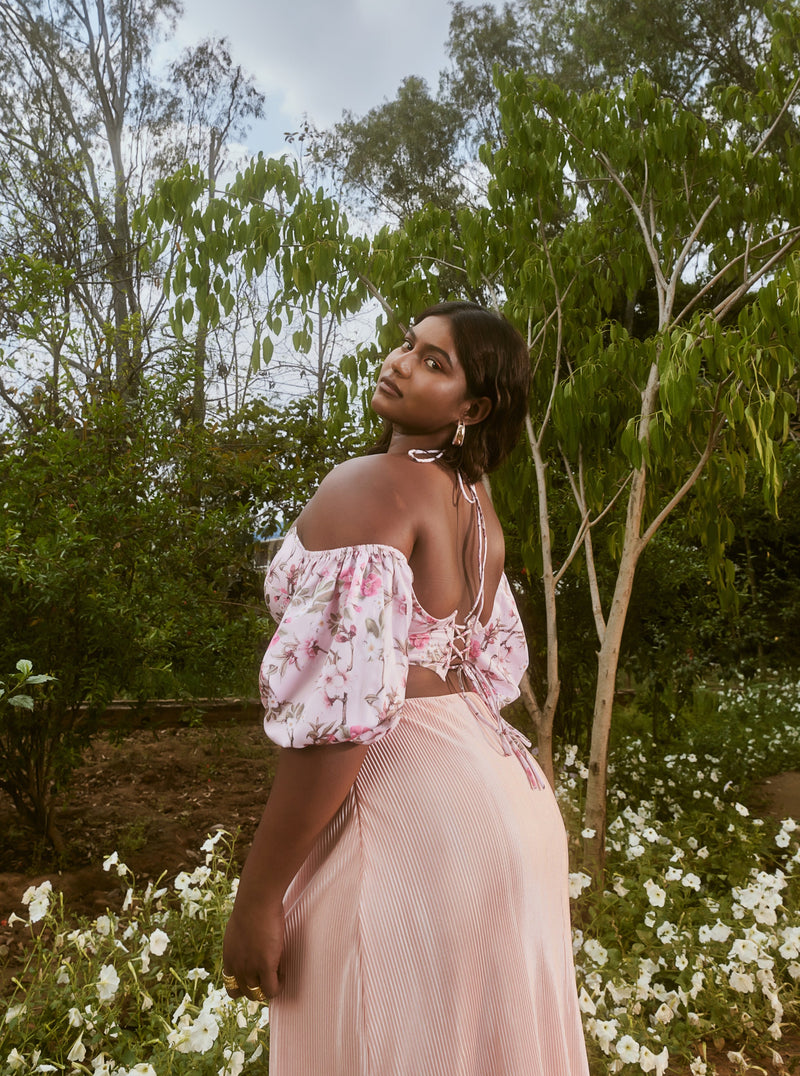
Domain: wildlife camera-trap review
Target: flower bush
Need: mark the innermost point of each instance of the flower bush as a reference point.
(696, 936)
(694, 939)
(136, 993)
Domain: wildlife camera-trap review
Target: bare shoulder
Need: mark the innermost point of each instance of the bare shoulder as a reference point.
(367, 500)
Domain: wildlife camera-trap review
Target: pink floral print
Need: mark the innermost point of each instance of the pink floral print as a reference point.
(349, 625)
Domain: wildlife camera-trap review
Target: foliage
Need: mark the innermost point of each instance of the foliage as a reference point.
(686, 50)
(687, 945)
(689, 942)
(31, 761)
(127, 562)
(135, 992)
(86, 126)
(401, 155)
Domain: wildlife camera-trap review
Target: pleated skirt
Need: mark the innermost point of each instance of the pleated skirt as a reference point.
(428, 933)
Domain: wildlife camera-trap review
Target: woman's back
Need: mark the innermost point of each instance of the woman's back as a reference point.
(419, 509)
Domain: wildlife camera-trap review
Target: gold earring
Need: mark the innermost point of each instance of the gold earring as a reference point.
(458, 436)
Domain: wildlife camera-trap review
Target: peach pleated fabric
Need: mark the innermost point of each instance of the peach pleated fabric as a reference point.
(428, 932)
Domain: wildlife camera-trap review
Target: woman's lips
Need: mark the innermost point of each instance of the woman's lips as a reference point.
(389, 387)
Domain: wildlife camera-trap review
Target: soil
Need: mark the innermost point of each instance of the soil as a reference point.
(154, 795)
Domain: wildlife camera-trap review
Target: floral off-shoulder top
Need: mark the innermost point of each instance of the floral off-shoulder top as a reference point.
(349, 625)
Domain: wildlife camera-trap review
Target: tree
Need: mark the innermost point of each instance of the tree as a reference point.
(686, 49)
(582, 45)
(217, 102)
(399, 156)
(77, 110)
(635, 423)
(117, 580)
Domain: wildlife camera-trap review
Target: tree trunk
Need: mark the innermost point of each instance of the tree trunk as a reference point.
(594, 848)
(543, 723)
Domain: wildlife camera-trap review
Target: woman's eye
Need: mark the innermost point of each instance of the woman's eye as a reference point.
(406, 345)
(434, 364)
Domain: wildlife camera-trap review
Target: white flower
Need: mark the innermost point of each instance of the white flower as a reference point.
(745, 950)
(628, 1049)
(741, 981)
(789, 825)
(210, 841)
(108, 982)
(619, 888)
(719, 932)
(586, 1003)
(75, 1017)
(196, 973)
(13, 1011)
(650, 1062)
(158, 942)
(673, 874)
(15, 1061)
(667, 932)
(619, 993)
(655, 894)
(782, 839)
(743, 811)
(204, 1032)
(114, 861)
(142, 1069)
(235, 1062)
(62, 978)
(577, 883)
(791, 943)
(37, 897)
(605, 1031)
(103, 925)
(691, 881)
(78, 1051)
(698, 1067)
(595, 951)
(588, 834)
(663, 1014)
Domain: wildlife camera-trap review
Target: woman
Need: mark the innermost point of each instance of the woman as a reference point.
(404, 901)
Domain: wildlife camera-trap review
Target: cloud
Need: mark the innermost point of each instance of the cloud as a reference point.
(318, 57)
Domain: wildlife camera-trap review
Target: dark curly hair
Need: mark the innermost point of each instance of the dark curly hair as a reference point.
(496, 363)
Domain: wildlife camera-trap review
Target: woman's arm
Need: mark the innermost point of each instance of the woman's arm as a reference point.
(310, 785)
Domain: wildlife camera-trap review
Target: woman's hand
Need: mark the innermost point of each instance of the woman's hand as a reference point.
(310, 785)
(252, 949)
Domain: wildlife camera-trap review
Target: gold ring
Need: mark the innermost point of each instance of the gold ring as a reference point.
(258, 994)
(230, 982)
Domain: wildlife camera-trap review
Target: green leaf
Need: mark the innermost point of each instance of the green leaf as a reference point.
(21, 702)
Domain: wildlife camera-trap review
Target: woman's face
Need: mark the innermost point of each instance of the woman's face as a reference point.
(422, 388)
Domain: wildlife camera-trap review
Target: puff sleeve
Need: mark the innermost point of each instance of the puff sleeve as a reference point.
(335, 670)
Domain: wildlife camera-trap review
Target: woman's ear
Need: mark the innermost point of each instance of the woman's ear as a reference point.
(478, 409)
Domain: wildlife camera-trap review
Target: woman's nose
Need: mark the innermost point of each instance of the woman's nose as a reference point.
(399, 364)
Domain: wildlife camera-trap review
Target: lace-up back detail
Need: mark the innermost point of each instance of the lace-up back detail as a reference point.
(349, 625)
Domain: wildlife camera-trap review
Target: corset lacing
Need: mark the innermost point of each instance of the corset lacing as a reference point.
(470, 677)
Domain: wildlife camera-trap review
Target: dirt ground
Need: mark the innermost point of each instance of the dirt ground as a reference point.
(156, 794)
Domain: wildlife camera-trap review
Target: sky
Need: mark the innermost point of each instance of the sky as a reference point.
(318, 57)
